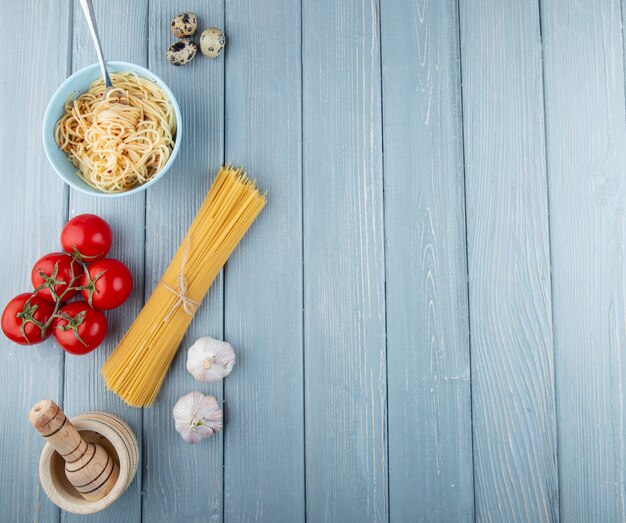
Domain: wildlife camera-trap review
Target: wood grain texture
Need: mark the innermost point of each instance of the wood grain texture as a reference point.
(123, 33)
(515, 458)
(181, 481)
(264, 435)
(344, 272)
(33, 202)
(323, 317)
(430, 431)
(586, 137)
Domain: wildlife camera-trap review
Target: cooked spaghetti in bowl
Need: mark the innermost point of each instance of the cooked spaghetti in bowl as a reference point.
(121, 137)
(112, 142)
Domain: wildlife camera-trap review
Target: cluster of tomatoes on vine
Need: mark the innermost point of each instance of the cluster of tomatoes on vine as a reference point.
(82, 271)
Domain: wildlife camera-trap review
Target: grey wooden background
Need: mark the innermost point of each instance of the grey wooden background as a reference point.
(430, 313)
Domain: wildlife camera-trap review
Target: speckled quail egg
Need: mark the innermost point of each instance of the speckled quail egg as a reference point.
(181, 53)
(184, 25)
(212, 42)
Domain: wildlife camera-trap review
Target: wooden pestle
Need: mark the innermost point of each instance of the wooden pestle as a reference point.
(87, 465)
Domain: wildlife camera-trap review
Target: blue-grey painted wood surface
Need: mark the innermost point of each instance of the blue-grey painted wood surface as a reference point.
(183, 482)
(34, 207)
(430, 431)
(264, 452)
(394, 138)
(344, 271)
(515, 464)
(84, 386)
(178, 473)
(586, 137)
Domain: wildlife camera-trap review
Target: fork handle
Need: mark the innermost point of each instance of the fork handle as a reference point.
(93, 29)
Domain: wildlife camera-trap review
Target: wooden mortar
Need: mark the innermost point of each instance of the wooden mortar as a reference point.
(88, 466)
(116, 438)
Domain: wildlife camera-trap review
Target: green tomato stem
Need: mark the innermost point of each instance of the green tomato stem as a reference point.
(58, 300)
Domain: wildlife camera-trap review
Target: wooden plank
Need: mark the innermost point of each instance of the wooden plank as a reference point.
(123, 33)
(264, 438)
(181, 481)
(344, 273)
(430, 430)
(33, 202)
(509, 269)
(586, 137)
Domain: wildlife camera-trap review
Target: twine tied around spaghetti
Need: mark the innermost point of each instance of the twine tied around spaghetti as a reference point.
(189, 305)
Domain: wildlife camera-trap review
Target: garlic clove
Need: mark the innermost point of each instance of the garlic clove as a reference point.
(209, 359)
(197, 417)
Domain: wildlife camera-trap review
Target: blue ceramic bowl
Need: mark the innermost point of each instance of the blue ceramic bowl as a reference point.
(77, 84)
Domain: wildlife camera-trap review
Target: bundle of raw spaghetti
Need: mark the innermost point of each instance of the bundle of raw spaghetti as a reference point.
(136, 368)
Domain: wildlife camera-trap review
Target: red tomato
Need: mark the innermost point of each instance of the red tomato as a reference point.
(89, 235)
(24, 317)
(54, 273)
(79, 329)
(108, 283)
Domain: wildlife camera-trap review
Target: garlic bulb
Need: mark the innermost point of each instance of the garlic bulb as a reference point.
(197, 417)
(209, 359)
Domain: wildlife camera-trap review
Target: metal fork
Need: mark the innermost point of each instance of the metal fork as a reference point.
(93, 29)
